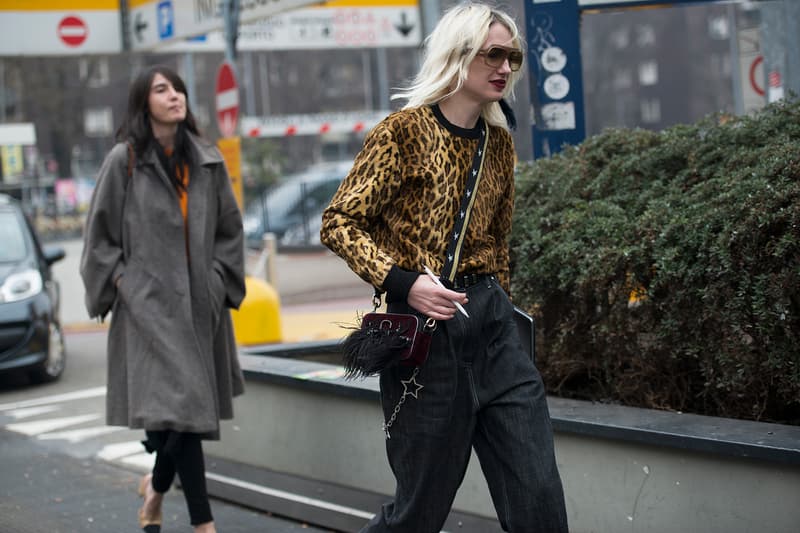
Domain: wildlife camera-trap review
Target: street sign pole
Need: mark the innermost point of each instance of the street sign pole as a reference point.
(554, 56)
(124, 29)
(231, 16)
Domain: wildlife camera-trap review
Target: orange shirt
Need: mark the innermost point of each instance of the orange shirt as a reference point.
(183, 199)
(183, 196)
(183, 193)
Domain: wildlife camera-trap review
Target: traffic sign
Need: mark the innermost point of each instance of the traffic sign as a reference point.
(605, 4)
(227, 100)
(59, 27)
(755, 73)
(556, 75)
(166, 19)
(231, 150)
(72, 30)
(153, 23)
(312, 124)
(336, 24)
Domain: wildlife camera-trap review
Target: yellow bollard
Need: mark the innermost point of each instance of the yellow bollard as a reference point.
(258, 320)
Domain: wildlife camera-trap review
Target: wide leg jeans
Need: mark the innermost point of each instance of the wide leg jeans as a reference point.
(480, 389)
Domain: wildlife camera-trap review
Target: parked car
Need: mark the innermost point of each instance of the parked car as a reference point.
(295, 201)
(31, 338)
(304, 233)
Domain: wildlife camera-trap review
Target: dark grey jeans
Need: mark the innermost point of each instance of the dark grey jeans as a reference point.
(479, 389)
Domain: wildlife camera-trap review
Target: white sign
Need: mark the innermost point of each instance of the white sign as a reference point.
(558, 116)
(17, 133)
(46, 28)
(312, 124)
(751, 70)
(601, 3)
(320, 28)
(156, 22)
(556, 86)
(553, 59)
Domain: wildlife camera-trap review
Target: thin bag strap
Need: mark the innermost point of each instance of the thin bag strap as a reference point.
(465, 210)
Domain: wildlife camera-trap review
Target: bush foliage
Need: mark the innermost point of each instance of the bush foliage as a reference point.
(664, 267)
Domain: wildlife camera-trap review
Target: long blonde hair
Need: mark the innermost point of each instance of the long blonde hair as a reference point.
(449, 50)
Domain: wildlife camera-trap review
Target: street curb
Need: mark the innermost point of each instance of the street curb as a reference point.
(85, 327)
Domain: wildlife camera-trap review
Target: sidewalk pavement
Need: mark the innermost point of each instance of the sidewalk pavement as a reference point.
(318, 293)
(46, 492)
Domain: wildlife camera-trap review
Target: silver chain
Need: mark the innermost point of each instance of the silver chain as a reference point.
(402, 400)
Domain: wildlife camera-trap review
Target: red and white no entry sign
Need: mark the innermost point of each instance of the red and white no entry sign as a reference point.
(72, 30)
(757, 74)
(227, 100)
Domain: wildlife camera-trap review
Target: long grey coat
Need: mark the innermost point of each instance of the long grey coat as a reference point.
(172, 360)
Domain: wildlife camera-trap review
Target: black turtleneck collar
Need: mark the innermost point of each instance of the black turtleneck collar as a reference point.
(470, 133)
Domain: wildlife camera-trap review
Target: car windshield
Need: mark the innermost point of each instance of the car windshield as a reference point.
(14, 246)
(297, 196)
(281, 199)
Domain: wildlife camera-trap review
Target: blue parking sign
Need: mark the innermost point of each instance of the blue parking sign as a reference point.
(166, 17)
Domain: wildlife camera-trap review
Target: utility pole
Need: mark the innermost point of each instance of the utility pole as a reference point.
(230, 13)
(2, 93)
(431, 13)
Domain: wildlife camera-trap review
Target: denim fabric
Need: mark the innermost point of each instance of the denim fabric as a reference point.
(479, 389)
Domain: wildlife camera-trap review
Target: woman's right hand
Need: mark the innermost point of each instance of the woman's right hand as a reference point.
(434, 301)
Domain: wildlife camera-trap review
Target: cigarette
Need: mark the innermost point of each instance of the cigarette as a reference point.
(437, 281)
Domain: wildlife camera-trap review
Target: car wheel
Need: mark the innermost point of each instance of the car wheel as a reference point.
(52, 367)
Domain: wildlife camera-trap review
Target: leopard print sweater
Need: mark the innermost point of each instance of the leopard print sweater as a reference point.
(394, 212)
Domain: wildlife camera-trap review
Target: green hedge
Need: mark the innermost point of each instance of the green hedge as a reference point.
(664, 267)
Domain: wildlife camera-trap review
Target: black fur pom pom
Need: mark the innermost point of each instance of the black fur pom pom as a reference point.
(367, 351)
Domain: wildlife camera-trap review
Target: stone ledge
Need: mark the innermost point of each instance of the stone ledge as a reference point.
(294, 365)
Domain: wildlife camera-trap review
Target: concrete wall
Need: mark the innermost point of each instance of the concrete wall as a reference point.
(301, 419)
(613, 486)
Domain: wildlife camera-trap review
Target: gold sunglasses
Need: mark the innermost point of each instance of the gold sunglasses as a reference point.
(495, 56)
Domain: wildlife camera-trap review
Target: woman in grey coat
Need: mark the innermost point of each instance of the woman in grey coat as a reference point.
(163, 252)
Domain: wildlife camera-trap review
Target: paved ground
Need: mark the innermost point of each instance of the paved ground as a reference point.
(45, 492)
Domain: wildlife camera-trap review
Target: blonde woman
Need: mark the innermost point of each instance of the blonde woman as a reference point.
(393, 216)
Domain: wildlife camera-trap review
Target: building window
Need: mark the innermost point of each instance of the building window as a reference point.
(98, 122)
(650, 110)
(720, 64)
(292, 76)
(95, 72)
(620, 38)
(645, 35)
(648, 73)
(718, 27)
(623, 78)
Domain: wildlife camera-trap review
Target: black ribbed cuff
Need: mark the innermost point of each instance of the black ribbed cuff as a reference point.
(398, 283)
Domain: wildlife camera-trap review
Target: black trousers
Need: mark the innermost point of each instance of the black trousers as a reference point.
(181, 453)
(477, 390)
